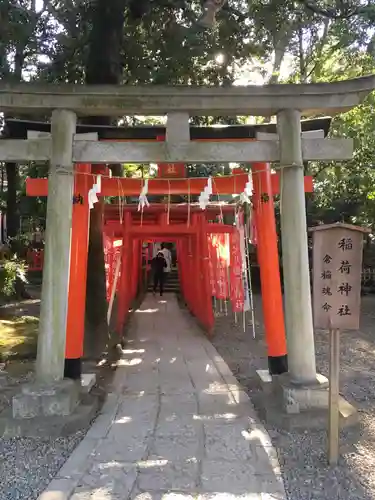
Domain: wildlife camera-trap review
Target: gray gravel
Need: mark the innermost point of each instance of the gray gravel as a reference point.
(302, 455)
(28, 465)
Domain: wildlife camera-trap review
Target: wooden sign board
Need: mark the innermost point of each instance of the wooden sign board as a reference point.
(337, 267)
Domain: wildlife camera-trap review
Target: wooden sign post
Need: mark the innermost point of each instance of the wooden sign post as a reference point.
(337, 267)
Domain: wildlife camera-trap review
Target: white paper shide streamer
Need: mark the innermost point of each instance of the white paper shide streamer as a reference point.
(204, 197)
(247, 193)
(94, 191)
(143, 201)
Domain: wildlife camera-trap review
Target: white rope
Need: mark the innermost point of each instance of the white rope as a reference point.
(114, 288)
(249, 280)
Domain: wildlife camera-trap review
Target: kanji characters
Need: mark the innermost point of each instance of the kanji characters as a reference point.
(326, 275)
(77, 199)
(344, 288)
(345, 267)
(327, 259)
(344, 311)
(171, 169)
(345, 244)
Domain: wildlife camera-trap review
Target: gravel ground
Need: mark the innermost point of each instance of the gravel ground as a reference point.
(28, 465)
(302, 455)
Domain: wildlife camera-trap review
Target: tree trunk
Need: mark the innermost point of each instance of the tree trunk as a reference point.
(13, 221)
(103, 67)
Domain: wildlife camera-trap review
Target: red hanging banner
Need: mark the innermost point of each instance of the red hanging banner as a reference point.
(112, 252)
(222, 252)
(212, 262)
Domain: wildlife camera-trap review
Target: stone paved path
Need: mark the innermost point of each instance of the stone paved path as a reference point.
(177, 424)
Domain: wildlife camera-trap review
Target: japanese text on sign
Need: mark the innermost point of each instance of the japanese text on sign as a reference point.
(337, 263)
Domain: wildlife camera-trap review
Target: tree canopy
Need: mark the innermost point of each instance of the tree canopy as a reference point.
(202, 42)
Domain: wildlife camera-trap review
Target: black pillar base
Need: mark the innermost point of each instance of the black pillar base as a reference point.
(73, 368)
(277, 365)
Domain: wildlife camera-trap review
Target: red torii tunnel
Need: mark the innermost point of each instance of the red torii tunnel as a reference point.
(189, 234)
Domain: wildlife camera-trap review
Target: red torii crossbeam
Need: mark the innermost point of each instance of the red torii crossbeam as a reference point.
(232, 184)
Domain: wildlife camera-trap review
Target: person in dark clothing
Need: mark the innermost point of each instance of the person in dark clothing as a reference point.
(158, 265)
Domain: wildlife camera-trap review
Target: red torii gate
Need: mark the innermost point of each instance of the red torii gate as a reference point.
(266, 185)
(230, 184)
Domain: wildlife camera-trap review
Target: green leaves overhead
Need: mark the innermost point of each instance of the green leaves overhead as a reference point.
(278, 41)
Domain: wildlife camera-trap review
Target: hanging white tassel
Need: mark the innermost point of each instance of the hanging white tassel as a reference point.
(99, 183)
(143, 201)
(92, 196)
(249, 187)
(204, 197)
(209, 185)
(203, 200)
(245, 196)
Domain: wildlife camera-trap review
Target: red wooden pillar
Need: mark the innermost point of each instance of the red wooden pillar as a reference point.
(75, 328)
(125, 272)
(196, 271)
(268, 258)
(206, 286)
(135, 268)
(181, 270)
(131, 262)
(188, 278)
(182, 274)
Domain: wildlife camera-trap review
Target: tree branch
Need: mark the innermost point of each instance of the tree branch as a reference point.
(210, 9)
(344, 13)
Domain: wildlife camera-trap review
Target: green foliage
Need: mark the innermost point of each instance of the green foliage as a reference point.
(12, 271)
(281, 40)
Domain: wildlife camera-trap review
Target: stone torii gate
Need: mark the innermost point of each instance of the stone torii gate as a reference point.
(290, 149)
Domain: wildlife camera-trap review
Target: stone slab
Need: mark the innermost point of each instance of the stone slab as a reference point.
(238, 478)
(181, 476)
(291, 407)
(52, 426)
(312, 419)
(58, 489)
(37, 400)
(117, 479)
(88, 380)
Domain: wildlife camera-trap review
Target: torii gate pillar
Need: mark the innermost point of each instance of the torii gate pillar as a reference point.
(75, 328)
(268, 258)
(298, 309)
(53, 312)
